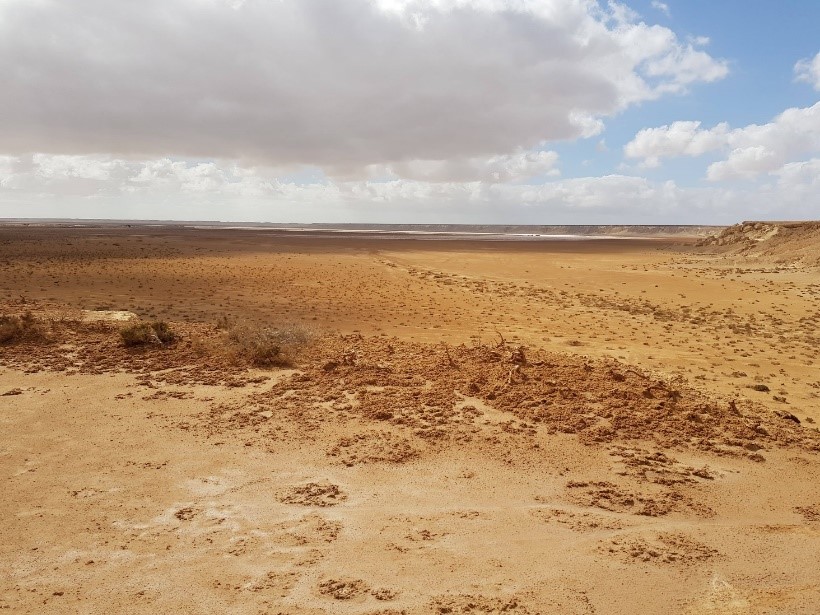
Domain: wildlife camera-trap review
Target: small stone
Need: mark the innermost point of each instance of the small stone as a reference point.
(787, 416)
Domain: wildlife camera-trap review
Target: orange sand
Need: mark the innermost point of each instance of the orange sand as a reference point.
(552, 427)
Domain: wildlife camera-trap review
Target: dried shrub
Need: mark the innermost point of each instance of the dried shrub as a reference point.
(267, 346)
(137, 334)
(163, 332)
(141, 333)
(205, 346)
(17, 328)
(224, 323)
(10, 329)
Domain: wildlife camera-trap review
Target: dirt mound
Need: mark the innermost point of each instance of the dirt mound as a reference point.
(394, 400)
(400, 399)
(779, 242)
(314, 494)
(59, 339)
(373, 446)
(463, 604)
(664, 548)
(343, 589)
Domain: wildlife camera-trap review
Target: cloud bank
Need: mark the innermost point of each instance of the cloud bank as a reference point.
(163, 188)
(370, 110)
(749, 151)
(340, 85)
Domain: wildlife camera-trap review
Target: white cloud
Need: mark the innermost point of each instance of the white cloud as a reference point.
(189, 190)
(339, 85)
(519, 166)
(661, 6)
(750, 151)
(80, 167)
(699, 41)
(165, 176)
(808, 70)
(800, 174)
(8, 165)
(189, 177)
(676, 139)
(744, 163)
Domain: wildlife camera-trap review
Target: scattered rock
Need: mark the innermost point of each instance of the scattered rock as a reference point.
(343, 589)
(373, 446)
(664, 548)
(314, 494)
(809, 513)
(185, 514)
(787, 416)
(469, 605)
(384, 593)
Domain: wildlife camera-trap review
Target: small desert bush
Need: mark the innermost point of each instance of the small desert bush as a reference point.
(163, 332)
(16, 328)
(267, 346)
(140, 333)
(224, 323)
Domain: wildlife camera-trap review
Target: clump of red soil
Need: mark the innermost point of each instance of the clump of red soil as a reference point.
(415, 397)
(434, 394)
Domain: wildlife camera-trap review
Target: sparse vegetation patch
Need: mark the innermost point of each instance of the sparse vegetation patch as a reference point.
(141, 333)
(15, 328)
(267, 346)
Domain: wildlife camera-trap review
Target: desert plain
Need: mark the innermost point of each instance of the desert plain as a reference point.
(610, 426)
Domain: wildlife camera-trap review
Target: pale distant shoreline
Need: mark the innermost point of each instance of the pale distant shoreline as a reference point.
(479, 232)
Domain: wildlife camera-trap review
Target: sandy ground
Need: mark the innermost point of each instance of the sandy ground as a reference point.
(412, 462)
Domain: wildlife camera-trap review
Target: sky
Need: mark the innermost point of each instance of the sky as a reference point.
(411, 111)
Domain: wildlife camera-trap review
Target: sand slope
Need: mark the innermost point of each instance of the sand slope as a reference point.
(783, 242)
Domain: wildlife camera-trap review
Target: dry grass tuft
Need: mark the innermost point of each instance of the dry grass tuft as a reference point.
(267, 346)
(17, 328)
(141, 333)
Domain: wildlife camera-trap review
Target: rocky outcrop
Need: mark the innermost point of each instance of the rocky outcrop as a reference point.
(796, 243)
